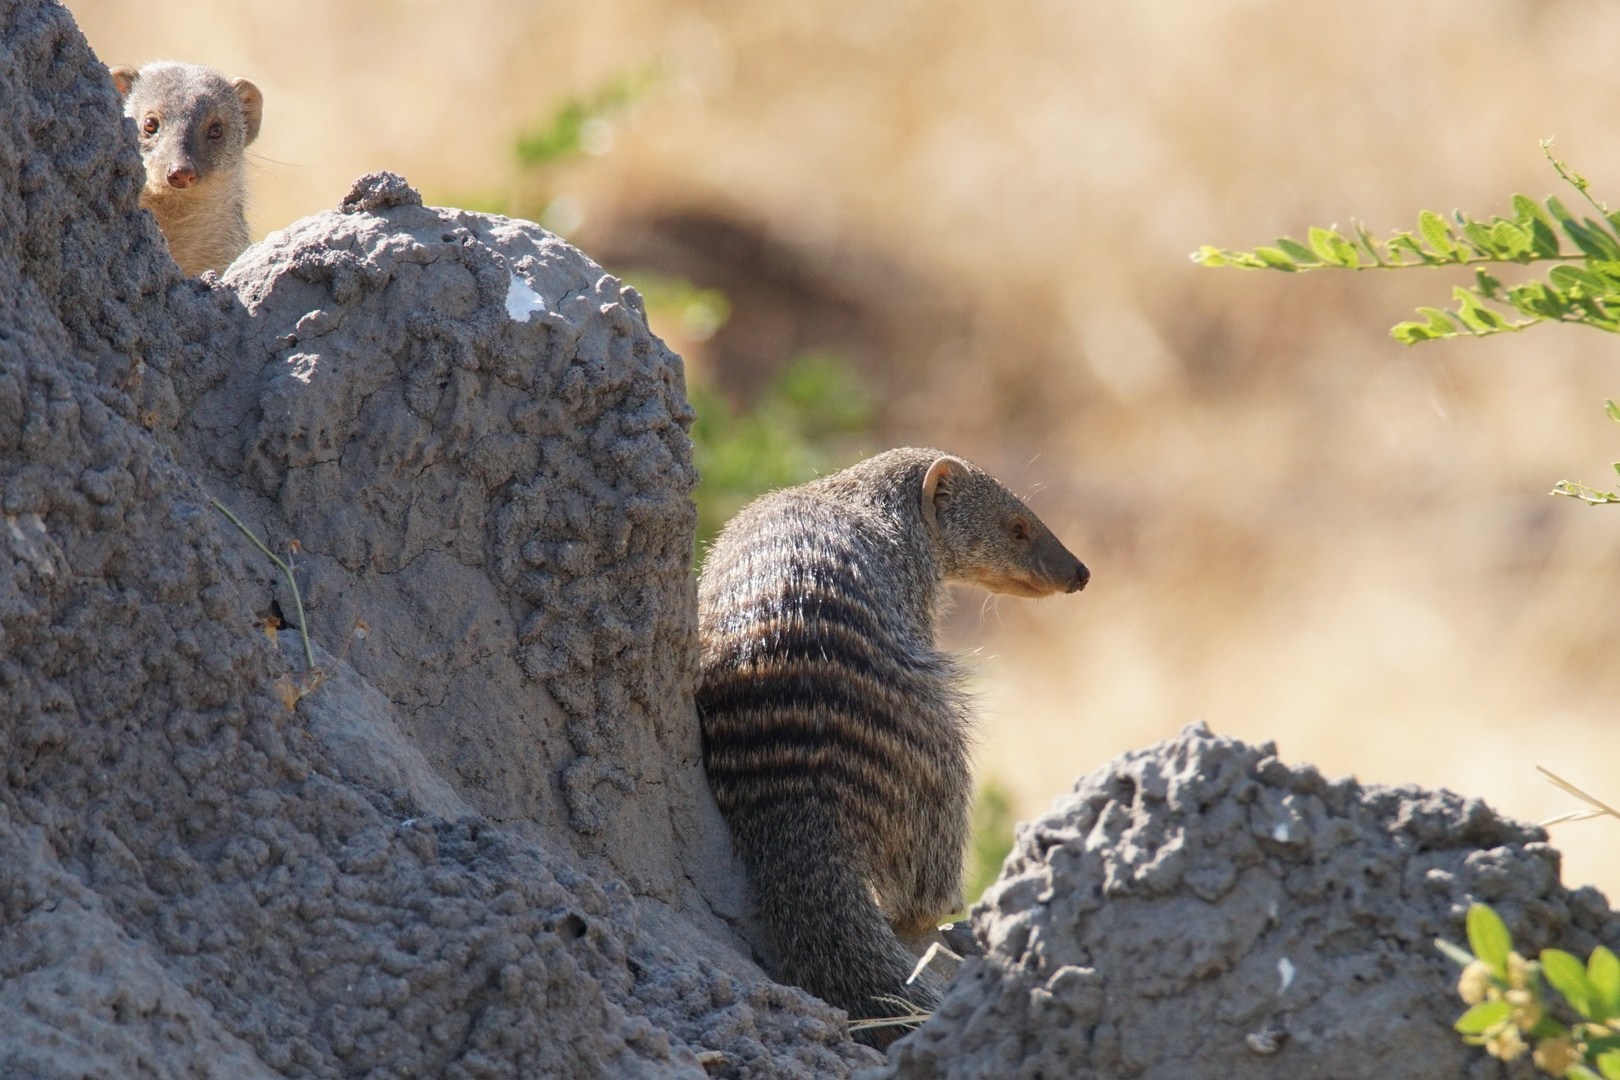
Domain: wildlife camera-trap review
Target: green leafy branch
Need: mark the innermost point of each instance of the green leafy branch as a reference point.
(568, 131)
(1588, 294)
(1591, 496)
(1508, 1008)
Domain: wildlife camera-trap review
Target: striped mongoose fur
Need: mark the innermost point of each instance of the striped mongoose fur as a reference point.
(835, 734)
(194, 127)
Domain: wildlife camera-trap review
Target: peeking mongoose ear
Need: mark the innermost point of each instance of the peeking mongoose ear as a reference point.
(252, 106)
(936, 488)
(124, 78)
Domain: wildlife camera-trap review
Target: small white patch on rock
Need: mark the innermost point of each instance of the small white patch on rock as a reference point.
(1264, 1043)
(27, 543)
(303, 366)
(1280, 832)
(1285, 972)
(522, 301)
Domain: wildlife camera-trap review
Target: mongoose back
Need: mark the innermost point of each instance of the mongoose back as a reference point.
(835, 734)
(195, 126)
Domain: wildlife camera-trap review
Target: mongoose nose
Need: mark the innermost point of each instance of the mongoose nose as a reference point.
(182, 176)
(1081, 576)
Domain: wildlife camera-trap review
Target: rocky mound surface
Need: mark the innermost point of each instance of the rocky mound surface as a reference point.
(1200, 909)
(481, 847)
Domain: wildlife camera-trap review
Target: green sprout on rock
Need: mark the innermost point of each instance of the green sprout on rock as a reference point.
(1507, 998)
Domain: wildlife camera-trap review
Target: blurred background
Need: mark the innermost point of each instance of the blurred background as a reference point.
(967, 225)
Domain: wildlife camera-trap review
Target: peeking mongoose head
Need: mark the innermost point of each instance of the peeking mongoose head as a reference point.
(194, 123)
(986, 536)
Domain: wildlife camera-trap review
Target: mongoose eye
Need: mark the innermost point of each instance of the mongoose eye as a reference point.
(216, 130)
(150, 126)
(1020, 530)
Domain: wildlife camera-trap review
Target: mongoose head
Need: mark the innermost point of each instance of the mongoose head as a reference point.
(986, 536)
(194, 124)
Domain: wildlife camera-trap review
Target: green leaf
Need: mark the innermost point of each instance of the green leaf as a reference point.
(1537, 300)
(1437, 233)
(1575, 277)
(1275, 258)
(1609, 1065)
(1326, 250)
(1608, 248)
(1214, 256)
(1547, 1028)
(1488, 936)
(1402, 244)
(1603, 968)
(1370, 243)
(1410, 333)
(1480, 236)
(1583, 236)
(1543, 236)
(1483, 1017)
(1474, 314)
(1581, 1072)
(1509, 239)
(1296, 250)
(1529, 211)
(1577, 232)
(1591, 312)
(1344, 249)
(1567, 975)
(1457, 954)
(1439, 323)
(1488, 285)
(1614, 414)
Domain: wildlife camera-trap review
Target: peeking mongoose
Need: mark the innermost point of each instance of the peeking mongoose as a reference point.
(195, 126)
(835, 734)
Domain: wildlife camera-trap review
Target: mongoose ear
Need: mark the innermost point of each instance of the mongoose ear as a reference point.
(936, 488)
(124, 78)
(252, 106)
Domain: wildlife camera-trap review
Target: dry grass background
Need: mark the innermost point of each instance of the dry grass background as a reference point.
(1298, 529)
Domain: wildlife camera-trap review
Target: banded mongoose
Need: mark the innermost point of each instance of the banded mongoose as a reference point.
(835, 734)
(195, 126)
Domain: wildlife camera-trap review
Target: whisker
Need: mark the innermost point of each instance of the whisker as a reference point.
(256, 158)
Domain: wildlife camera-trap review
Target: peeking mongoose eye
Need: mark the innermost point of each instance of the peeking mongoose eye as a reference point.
(150, 126)
(216, 130)
(1019, 530)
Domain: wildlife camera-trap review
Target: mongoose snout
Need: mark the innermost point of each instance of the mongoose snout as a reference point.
(194, 127)
(990, 538)
(835, 733)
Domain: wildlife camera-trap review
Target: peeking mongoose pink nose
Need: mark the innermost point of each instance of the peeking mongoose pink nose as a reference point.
(182, 176)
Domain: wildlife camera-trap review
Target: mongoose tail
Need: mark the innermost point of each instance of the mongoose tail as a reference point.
(835, 734)
(194, 127)
(833, 939)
